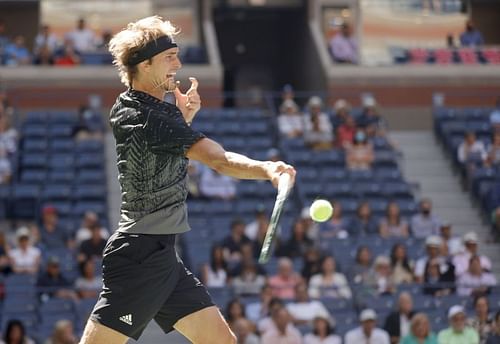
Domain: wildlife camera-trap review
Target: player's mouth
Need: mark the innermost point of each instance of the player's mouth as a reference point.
(171, 76)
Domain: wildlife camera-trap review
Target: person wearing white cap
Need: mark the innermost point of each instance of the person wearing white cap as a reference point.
(367, 333)
(318, 131)
(453, 242)
(461, 261)
(458, 332)
(432, 246)
(25, 257)
(342, 110)
(290, 122)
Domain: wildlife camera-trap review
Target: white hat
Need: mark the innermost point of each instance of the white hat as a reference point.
(433, 240)
(289, 104)
(341, 104)
(367, 314)
(454, 310)
(471, 237)
(382, 260)
(22, 232)
(369, 101)
(315, 101)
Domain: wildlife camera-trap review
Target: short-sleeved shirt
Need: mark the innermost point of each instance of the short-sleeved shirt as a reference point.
(467, 336)
(152, 139)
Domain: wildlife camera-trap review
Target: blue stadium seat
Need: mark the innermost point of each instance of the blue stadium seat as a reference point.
(89, 193)
(388, 174)
(36, 117)
(361, 175)
(5, 196)
(367, 189)
(34, 131)
(25, 200)
(385, 159)
(34, 161)
(90, 176)
(64, 207)
(60, 130)
(34, 145)
(292, 145)
(15, 303)
(380, 303)
(62, 146)
(89, 146)
(338, 189)
(397, 190)
(67, 118)
(57, 192)
(81, 207)
(35, 176)
(63, 177)
(61, 161)
(255, 128)
(332, 174)
(90, 160)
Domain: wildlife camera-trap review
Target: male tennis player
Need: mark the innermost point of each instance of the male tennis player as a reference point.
(144, 279)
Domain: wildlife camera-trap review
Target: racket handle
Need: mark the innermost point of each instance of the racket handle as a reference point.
(284, 182)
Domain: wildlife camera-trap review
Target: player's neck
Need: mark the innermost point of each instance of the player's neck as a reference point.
(149, 89)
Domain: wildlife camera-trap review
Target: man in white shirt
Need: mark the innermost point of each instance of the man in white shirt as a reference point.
(367, 333)
(425, 223)
(461, 261)
(290, 122)
(215, 185)
(283, 332)
(25, 258)
(83, 39)
(454, 243)
(432, 246)
(304, 310)
(471, 149)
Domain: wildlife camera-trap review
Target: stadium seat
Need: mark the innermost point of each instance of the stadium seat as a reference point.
(34, 145)
(60, 131)
(35, 176)
(25, 201)
(37, 130)
(62, 146)
(56, 192)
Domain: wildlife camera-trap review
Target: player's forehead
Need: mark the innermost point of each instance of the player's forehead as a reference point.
(171, 51)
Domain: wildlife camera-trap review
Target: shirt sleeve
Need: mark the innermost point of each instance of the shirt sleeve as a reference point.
(169, 132)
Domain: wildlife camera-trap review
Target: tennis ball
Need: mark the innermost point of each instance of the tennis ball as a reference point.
(321, 210)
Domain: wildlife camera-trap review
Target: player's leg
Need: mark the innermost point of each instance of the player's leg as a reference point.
(96, 333)
(206, 326)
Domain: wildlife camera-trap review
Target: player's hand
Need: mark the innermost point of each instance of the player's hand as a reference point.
(190, 102)
(276, 169)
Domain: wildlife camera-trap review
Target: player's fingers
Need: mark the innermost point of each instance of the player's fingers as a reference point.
(177, 90)
(194, 83)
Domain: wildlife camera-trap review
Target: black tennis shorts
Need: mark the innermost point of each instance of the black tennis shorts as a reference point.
(144, 279)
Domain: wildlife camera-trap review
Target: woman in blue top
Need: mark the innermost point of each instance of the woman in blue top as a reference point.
(420, 331)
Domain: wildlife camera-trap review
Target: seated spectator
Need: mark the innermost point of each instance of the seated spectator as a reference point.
(471, 150)
(360, 154)
(495, 116)
(318, 132)
(259, 224)
(345, 132)
(420, 331)
(256, 311)
(215, 185)
(84, 39)
(370, 116)
(16, 53)
(297, 244)
(433, 247)
(88, 285)
(285, 281)
(90, 124)
(25, 258)
(282, 331)
(232, 243)
(15, 333)
(475, 282)
(287, 95)
(392, 225)
(344, 47)
(312, 227)
(367, 332)
(63, 333)
(493, 158)
(323, 332)
(425, 223)
(215, 273)
(234, 310)
(247, 257)
(45, 39)
(249, 281)
(462, 260)
(103, 42)
(8, 135)
(342, 110)
(52, 283)
(362, 265)
(402, 267)
(364, 223)
(5, 167)
(5, 267)
(312, 263)
(494, 337)
(458, 332)
(437, 283)
(482, 322)
(243, 330)
(93, 247)
(90, 220)
(290, 122)
(471, 37)
(303, 310)
(453, 243)
(51, 235)
(44, 57)
(397, 324)
(380, 278)
(68, 55)
(329, 283)
(337, 226)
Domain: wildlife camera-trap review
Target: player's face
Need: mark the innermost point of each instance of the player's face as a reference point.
(163, 68)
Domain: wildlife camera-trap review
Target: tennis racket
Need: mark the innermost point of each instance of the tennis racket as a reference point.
(284, 187)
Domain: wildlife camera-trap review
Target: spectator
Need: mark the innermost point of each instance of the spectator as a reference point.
(475, 282)
(52, 283)
(380, 277)
(90, 124)
(93, 247)
(493, 158)
(260, 309)
(425, 223)
(259, 224)
(249, 281)
(285, 281)
(243, 329)
(461, 261)
(495, 116)
(5, 167)
(232, 243)
(90, 220)
(392, 225)
(450, 41)
(287, 95)
(4, 40)
(329, 283)
(83, 39)
(51, 235)
(266, 324)
(458, 332)
(234, 310)
(44, 57)
(433, 246)
(63, 333)
(5, 267)
(290, 122)
(454, 243)
(362, 265)
(312, 227)
(471, 37)
(364, 223)
(420, 331)
(437, 283)
(215, 185)
(303, 310)
(8, 135)
(342, 110)
(494, 337)
(397, 324)
(45, 39)
(360, 155)
(312, 263)
(402, 268)
(283, 331)
(88, 285)
(344, 47)
(367, 332)
(15, 333)
(318, 132)
(346, 132)
(482, 322)
(471, 151)
(323, 332)
(370, 117)
(215, 273)
(25, 259)
(16, 53)
(103, 43)
(337, 226)
(297, 244)
(247, 257)
(68, 55)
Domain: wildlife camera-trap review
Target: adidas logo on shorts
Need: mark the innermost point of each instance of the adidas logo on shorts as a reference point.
(127, 319)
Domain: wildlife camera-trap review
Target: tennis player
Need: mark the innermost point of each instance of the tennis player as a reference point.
(143, 276)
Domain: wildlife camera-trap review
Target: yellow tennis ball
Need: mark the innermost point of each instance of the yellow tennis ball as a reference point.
(321, 210)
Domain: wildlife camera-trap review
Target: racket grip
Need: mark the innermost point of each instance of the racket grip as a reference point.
(284, 182)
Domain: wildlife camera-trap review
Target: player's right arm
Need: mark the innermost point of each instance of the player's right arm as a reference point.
(236, 165)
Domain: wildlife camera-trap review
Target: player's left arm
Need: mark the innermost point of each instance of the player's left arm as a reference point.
(190, 102)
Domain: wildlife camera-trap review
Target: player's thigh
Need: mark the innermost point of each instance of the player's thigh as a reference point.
(96, 333)
(206, 326)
